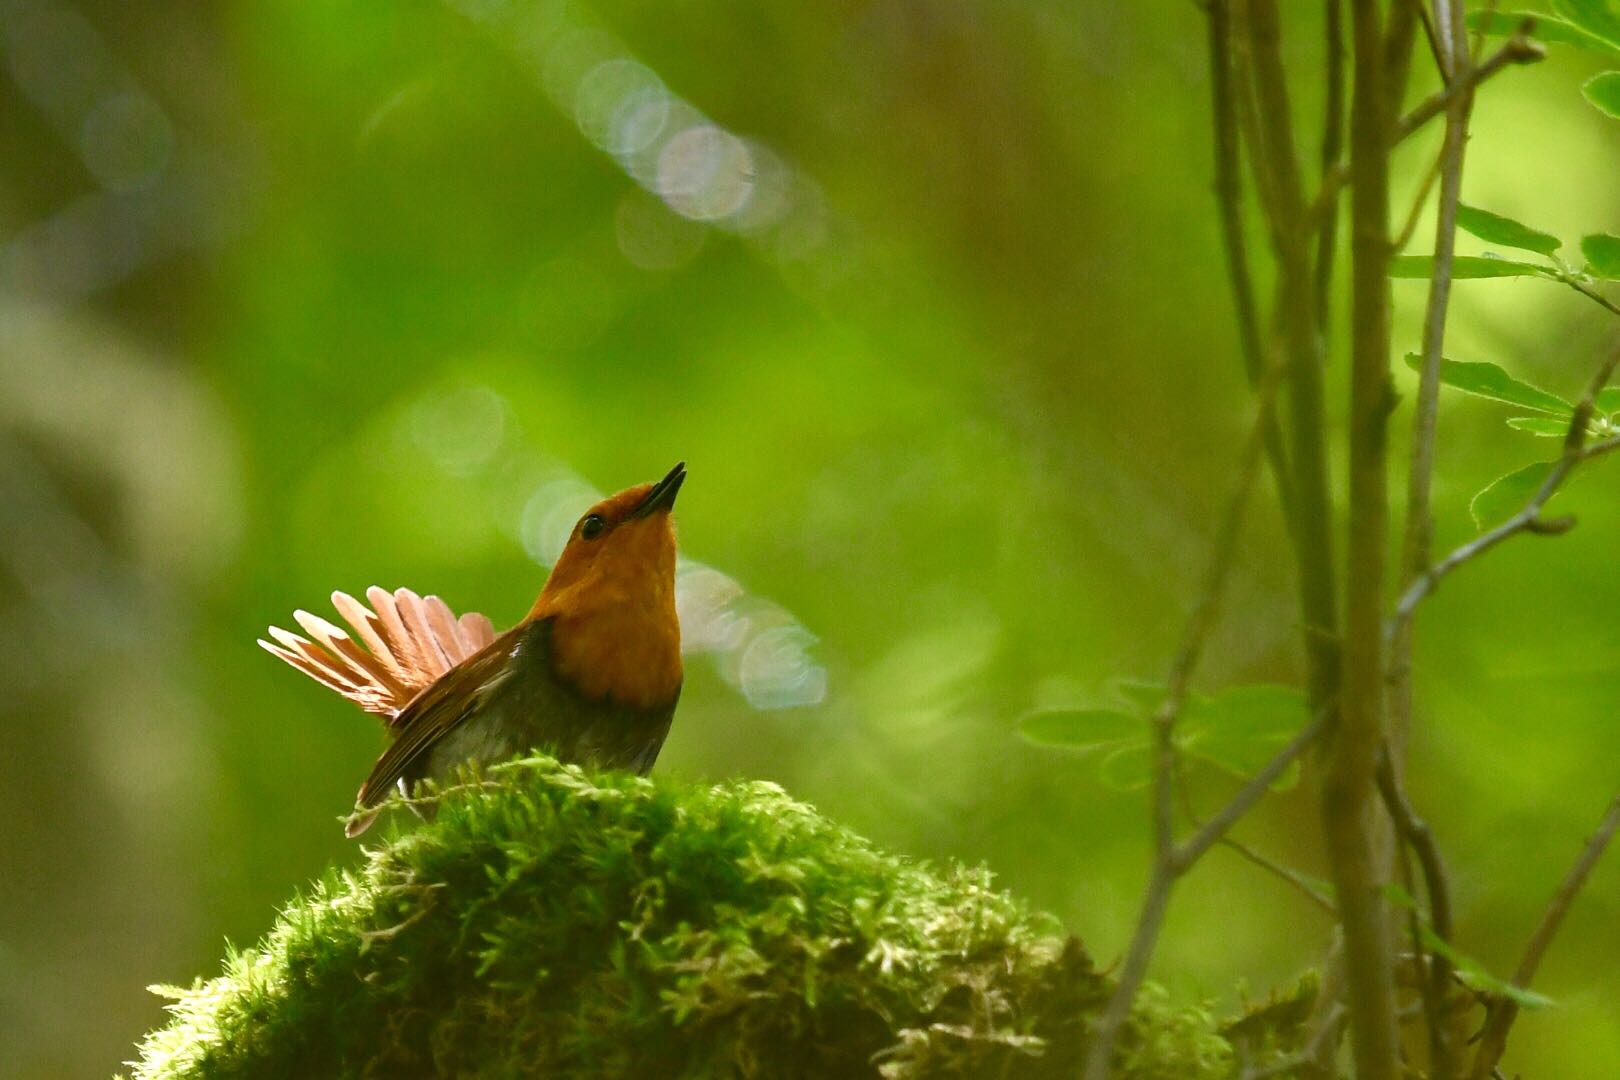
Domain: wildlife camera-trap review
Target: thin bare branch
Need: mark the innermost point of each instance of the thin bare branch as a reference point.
(1169, 862)
(1519, 49)
(1332, 149)
(1574, 281)
(1229, 202)
(1528, 519)
(1300, 883)
(1504, 1010)
(1457, 64)
(1415, 835)
(1270, 118)
(1194, 847)
(1173, 861)
(1419, 201)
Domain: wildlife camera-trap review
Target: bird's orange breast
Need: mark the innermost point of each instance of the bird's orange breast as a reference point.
(614, 631)
(630, 657)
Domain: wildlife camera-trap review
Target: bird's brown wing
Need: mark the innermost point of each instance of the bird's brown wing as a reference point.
(433, 713)
(409, 641)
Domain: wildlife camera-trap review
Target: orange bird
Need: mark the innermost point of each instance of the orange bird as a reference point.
(590, 674)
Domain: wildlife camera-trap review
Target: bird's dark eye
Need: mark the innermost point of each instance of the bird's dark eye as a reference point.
(592, 526)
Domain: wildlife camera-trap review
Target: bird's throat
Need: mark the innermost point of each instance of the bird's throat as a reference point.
(629, 653)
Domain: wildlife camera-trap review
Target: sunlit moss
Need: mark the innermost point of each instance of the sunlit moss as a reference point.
(556, 922)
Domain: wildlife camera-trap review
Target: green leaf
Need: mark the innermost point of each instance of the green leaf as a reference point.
(1507, 495)
(1127, 768)
(1551, 30)
(1142, 696)
(1487, 380)
(1396, 894)
(1241, 729)
(1466, 266)
(1603, 91)
(1608, 400)
(1264, 710)
(1597, 17)
(1474, 974)
(1602, 253)
(1496, 229)
(1544, 426)
(1468, 969)
(1082, 729)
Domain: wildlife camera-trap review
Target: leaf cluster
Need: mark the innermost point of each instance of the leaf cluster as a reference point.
(1590, 25)
(1236, 730)
(1551, 415)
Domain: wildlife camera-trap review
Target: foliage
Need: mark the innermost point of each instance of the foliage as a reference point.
(568, 923)
(1235, 730)
(1590, 25)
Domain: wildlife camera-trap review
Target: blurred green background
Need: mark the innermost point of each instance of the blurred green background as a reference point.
(927, 293)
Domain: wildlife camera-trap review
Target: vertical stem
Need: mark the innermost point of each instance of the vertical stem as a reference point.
(1229, 202)
(1332, 149)
(1291, 235)
(1349, 782)
(1504, 1010)
(1417, 542)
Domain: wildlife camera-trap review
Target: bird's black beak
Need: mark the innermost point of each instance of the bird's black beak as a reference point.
(662, 495)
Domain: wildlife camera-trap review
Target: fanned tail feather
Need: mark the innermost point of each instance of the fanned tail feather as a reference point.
(404, 646)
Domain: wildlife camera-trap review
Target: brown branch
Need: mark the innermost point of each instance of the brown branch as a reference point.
(1404, 237)
(1504, 1010)
(1291, 230)
(1190, 850)
(1170, 861)
(1348, 783)
(1573, 280)
(1229, 202)
(1528, 519)
(1518, 49)
(1287, 874)
(1419, 530)
(1332, 149)
(1415, 835)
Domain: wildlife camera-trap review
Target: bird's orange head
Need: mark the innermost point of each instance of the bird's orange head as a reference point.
(611, 599)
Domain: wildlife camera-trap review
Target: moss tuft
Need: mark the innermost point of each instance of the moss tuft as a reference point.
(559, 922)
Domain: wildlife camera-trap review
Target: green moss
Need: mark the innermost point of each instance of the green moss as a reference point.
(558, 922)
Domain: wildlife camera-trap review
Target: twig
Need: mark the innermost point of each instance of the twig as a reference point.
(1415, 835)
(1504, 1010)
(1190, 850)
(1573, 280)
(1332, 148)
(1429, 1001)
(1229, 200)
(1170, 859)
(1518, 49)
(1436, 49)
(1291, 230)
(1172, 862)
(1527, 520)
(1400, 32)
(1290, 876)
(1404, 237)
(1457, 66)
(1286, 873)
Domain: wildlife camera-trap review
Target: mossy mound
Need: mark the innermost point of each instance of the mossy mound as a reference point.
(556, 922)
